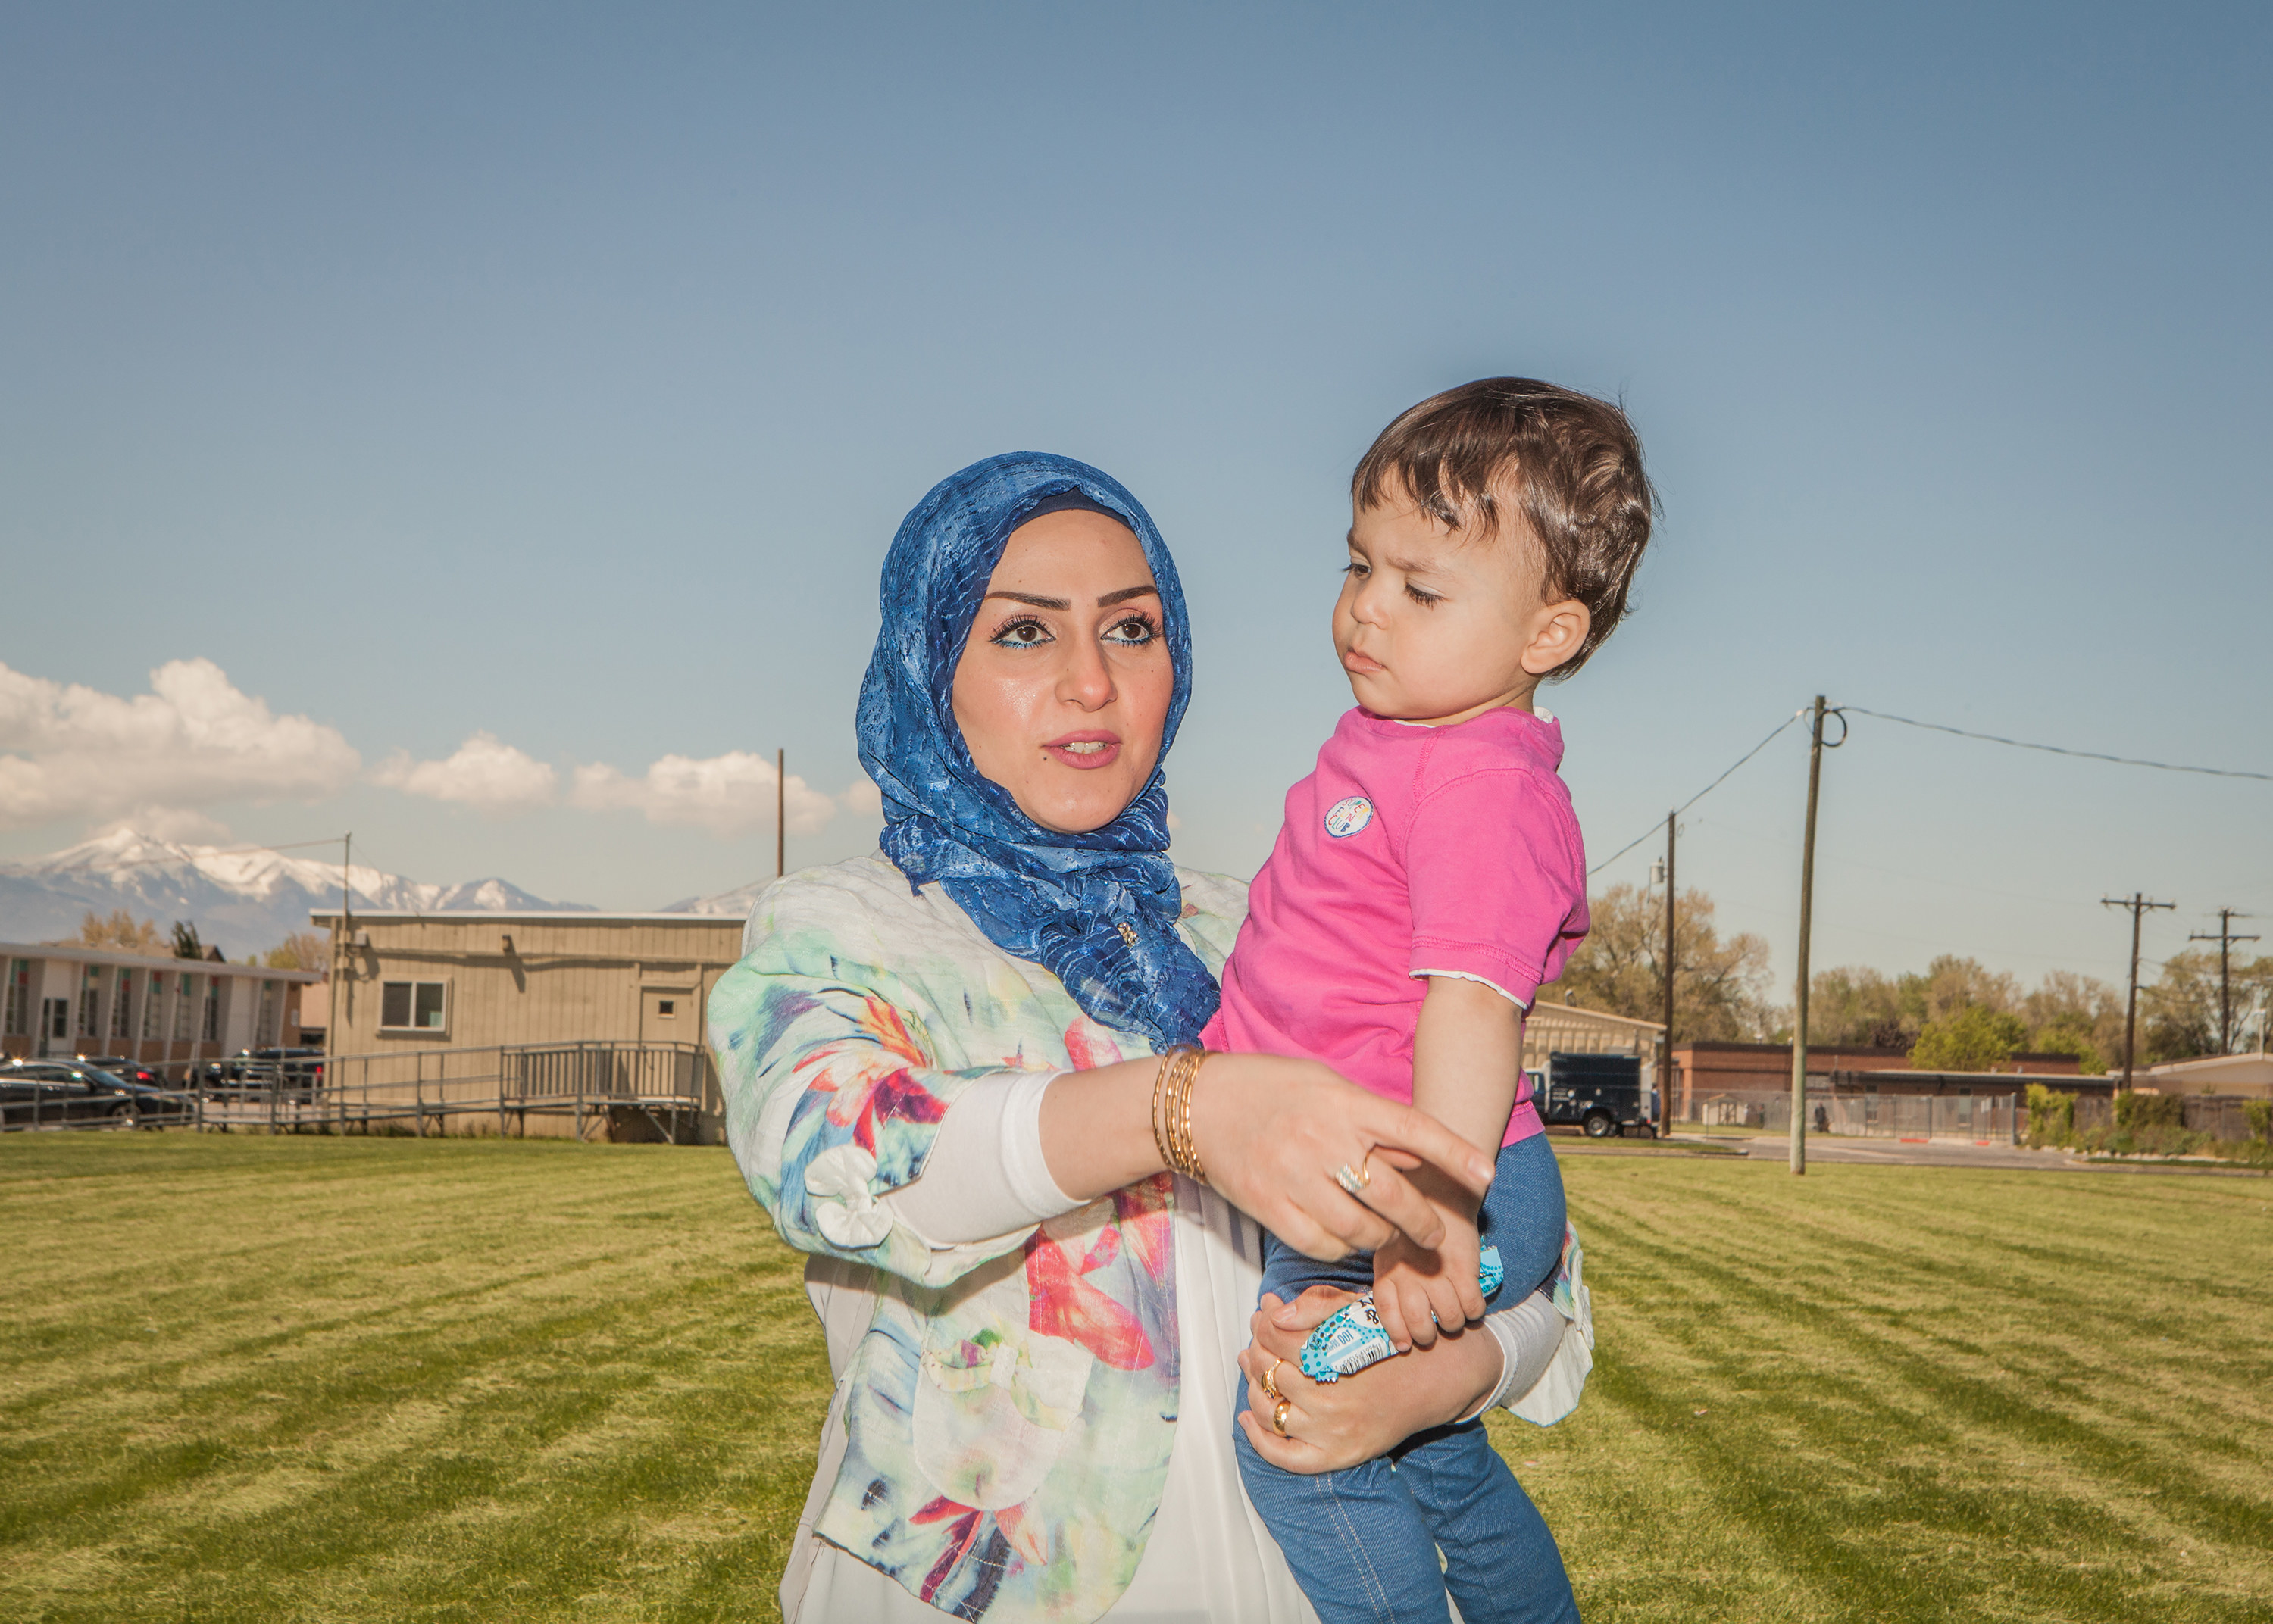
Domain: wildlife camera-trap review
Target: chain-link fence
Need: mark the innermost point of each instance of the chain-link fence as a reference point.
(1981, 1119)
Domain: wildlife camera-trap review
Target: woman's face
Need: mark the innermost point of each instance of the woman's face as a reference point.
(1064, 688)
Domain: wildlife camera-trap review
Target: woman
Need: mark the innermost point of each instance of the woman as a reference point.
(939, 1073)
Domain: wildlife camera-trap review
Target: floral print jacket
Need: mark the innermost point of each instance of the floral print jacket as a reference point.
(1009, 1411)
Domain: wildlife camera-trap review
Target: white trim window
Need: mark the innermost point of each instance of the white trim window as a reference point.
(121, 1006)
(413, 1006)
(17, 1022)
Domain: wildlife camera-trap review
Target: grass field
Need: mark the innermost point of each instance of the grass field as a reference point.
(304, 1379)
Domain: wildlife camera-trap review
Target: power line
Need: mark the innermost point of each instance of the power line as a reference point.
(2058, 750)
(1700, 796)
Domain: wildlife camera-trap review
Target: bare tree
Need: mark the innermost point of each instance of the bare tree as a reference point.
(1718, 984)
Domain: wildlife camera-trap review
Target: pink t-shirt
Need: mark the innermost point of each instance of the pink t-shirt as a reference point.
(1409, 852)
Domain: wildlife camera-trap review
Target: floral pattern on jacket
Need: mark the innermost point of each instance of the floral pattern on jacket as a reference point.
(1009, 1411)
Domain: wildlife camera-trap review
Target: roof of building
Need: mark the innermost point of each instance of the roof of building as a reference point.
(1542, 1013)
(486, 916)
(2209, 1069)
(71, 952)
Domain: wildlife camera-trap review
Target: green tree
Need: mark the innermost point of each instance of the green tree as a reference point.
(1857, 1005)
(121, 932)
(2178, 1013)
(2069, 1014)
(186, 945)
(1953, 985)
(301, 950)
(1974, 1039)
(1717, 983)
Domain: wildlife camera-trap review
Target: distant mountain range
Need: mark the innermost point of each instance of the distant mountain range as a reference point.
(733, 905)
(243, 903)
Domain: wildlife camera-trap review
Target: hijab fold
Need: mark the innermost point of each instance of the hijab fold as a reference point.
(1098, 910)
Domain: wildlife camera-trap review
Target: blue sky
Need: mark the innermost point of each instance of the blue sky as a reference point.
(559, 375)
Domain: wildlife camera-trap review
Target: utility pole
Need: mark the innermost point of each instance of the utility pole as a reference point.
(1806, 922)
(338, 1010)
(2139, 905)
(781, 814)
(2224, 939)
(1665, 1072)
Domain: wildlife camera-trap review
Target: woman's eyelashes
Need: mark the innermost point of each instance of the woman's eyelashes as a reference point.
(1024, 632)
(1134, 630)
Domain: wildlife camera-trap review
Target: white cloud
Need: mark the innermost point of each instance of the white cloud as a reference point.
(180, 825)
(863, 799)
(493, 778)
(731, 795)
(192, 741)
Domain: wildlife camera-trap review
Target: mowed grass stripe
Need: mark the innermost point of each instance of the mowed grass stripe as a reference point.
(1854, 1384)
(569, 1339)
(313, 1378)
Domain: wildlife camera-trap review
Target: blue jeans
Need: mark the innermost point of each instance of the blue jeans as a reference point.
(1363, 1543)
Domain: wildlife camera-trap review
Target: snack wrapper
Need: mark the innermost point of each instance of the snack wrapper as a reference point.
(1352, 1337)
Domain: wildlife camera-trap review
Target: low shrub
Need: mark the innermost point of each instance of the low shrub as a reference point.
(2139, 1112)
(2260, 1113)
(2051, 1117)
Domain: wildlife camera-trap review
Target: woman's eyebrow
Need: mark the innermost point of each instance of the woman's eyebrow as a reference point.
(1126, 593)
(1031, 602)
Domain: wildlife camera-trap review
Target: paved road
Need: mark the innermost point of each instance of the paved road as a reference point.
(1934, 1153)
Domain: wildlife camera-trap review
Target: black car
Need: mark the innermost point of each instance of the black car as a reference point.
(34, 1093)
(297, 1072)
(1603, 1094)
(156, 1097)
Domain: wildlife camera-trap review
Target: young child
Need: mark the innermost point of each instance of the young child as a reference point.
(1428, 878)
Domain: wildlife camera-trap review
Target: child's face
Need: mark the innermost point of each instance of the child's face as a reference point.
(1434, 627)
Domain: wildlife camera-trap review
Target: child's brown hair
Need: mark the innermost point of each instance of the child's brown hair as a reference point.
(1572, 463)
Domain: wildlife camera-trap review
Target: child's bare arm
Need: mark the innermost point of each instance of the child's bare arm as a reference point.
(1467, 1064)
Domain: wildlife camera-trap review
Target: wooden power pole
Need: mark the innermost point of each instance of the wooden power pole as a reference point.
(2224, 939)
(781, 814)
(1806, 923)
(2139, 905)
(1665, 1070)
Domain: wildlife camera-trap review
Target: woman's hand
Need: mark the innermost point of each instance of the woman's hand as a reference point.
(1331, 1427)
(1272, 1134)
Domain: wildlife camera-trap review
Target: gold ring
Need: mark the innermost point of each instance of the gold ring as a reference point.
(1352, 1182)
(1278, 1416)
(1269, 1386)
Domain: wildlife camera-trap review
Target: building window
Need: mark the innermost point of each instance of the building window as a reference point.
(153, 1000)
(18, 1020)
(181, 997)
(413, 1006)
(121, 1006)
(666, 1007)
(211, 1026)
(268, 1002)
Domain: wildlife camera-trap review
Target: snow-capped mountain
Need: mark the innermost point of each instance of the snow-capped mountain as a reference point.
(241, 902)
(735, 904)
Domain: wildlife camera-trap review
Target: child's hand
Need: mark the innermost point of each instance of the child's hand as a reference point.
(1416, 1291)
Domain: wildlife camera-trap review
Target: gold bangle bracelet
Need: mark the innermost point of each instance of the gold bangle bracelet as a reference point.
(1159, 1092)
(1172, 1112)
(1191, 1147)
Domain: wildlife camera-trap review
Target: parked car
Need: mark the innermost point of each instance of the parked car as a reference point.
(297, 1073)
(155, 1095)
(32, 1092)
(1600, 1093)
(124, 1069)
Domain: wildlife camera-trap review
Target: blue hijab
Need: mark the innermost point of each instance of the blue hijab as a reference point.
(1097, 911)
